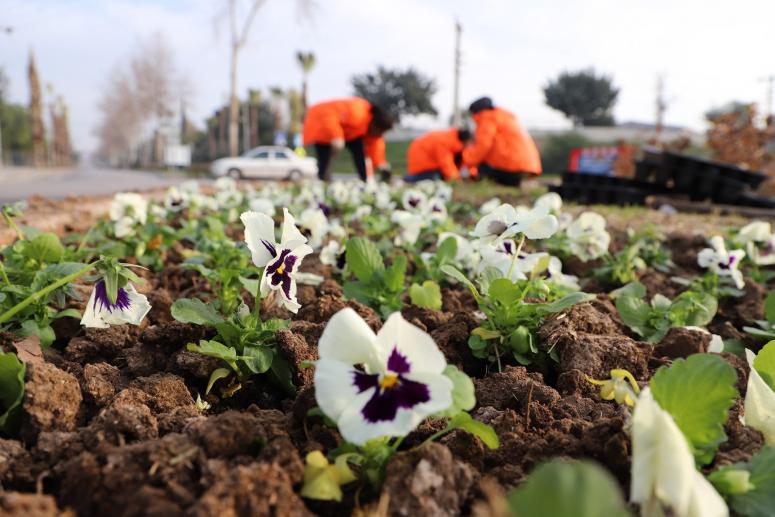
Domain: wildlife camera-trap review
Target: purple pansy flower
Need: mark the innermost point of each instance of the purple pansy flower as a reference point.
(396, 377)
(130, 307)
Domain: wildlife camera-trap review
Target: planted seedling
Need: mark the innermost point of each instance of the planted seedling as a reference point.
(376, 285)
(652, 320)
(766, 327)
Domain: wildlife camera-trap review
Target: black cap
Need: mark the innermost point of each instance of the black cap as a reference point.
(463, 135)
(481, 104)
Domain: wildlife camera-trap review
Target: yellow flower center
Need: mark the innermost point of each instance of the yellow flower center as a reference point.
(388, 381)
(281, 269)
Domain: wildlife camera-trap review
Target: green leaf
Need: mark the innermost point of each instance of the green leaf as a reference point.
(562, 488)
(765, 364)
(258, 359)
(45, 247)
(218, 374)
(217, 350)
(635, 313)
(447, 251)
(634, 289)
(395, 274)
(759, 499)
(250, 285)
(769, 307)
(692, 308)
(460, 277)
(68, 313)
(487, 277)
(504, 291)
(568, 301)
(697, 392)
(427, 295)
(484, 432)
(194, 310)
(463, 392)
(11, 392)
(362, 291)
(363, 258)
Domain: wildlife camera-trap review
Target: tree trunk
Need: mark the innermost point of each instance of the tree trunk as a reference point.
(233, 105)
(36, 116)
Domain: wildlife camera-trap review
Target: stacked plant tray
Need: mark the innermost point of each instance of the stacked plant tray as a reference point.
(666, 173)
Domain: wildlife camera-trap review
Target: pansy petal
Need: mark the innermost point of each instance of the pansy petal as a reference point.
(440, 388)
(759, 403)
(259, 236)
(133, 314)
(356, 429)
(334, 386)
(91, 316)
(415, 344)
(347, 338)
(705, 501)
(290, 231)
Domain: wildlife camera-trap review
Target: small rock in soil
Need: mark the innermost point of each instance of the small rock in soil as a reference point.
(174, 335)
(682, 342)
(101, 382)
(52, 401)
(295, 349)
(15, 465)
(427, 481)
(193, 364)
(166, 392)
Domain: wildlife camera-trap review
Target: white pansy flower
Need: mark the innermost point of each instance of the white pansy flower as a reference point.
(759, 403)
(467, 255)
(505, 222)
(587, 236)
(413, 200)
(130, 307)
(333, 254)
(398, 384)
(280, 260)
(490, 205)
(315, 224)
(263, 206)
(551, 202)
(410, 225)
(554, 274)
(176, 199)
(759, 242)
(722, 262)
(127, 209)
(665, 480)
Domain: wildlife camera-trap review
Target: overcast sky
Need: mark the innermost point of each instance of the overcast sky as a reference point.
(709, 51)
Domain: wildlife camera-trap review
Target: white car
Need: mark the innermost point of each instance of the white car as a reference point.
(270, 162)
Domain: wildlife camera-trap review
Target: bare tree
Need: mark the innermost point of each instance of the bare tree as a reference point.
(140, 99)
(239, 35)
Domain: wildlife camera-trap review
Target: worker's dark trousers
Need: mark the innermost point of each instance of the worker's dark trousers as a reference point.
(432, 175)
(510, 178)
(324, 153)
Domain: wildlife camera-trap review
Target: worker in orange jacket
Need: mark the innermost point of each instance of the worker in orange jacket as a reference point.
(502, 150)
(354, 123)
(436, 155)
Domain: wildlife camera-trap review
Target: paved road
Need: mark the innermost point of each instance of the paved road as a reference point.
(18, 183)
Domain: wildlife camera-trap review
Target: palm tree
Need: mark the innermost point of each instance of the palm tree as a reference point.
(306, 61)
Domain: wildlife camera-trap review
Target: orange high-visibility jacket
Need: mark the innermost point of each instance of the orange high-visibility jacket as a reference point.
(502, 143)
(347, 119)
(435, 151)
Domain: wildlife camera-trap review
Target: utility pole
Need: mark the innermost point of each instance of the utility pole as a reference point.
(661, 105)
(456, 118)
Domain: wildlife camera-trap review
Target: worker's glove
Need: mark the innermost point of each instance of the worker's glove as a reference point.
(383, 172)
(337, 143)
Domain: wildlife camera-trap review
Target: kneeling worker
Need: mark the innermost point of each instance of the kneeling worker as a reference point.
(436, 155)
(502, 150)
(354, 123)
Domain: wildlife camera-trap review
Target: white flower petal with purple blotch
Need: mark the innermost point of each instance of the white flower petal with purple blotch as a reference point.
(130, 307)
(401, 381)
(279, 274)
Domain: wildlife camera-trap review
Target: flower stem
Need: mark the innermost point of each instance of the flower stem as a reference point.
(516, 256)
(9, 220)
(5, 275)
(434, 436)
(44, 292)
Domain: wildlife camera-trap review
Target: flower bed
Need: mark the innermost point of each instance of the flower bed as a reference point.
(342, 348)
